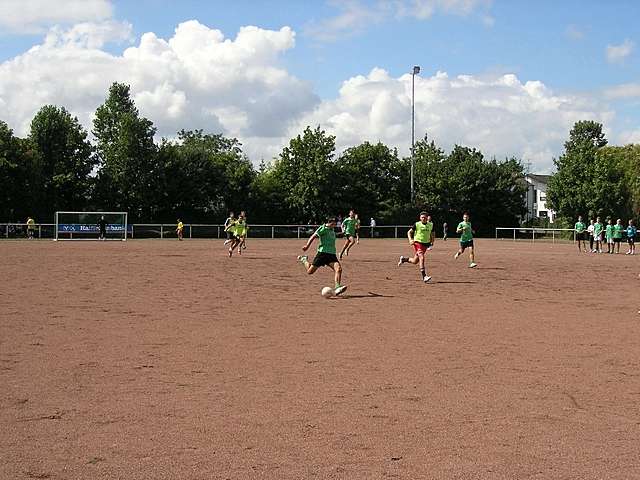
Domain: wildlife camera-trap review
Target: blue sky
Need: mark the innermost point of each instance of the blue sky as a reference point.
(564, 45)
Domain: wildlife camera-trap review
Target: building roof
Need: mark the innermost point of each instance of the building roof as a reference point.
(539, 178)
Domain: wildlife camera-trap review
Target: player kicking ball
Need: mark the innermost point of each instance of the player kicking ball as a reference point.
(466, 239)
(326, 254)
(421, 238)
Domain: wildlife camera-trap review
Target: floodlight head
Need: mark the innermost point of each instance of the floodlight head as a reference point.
(416, 70)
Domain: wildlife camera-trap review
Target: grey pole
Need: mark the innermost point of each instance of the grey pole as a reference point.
(416, 70)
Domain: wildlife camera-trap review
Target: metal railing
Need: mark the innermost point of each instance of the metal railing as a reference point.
(199, 230)
(535, 234)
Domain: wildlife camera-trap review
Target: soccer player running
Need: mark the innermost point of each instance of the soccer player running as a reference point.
(179, 229)
(102, 227)
(326, 254)
(349, 230)
(231, 219)
(466, 239)
(421, 237)
(231, 231)
(580, 229)
(241, 231)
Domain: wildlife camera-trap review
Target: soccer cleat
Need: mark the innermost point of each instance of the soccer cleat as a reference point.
(303, 259)
(340, 290)
(456, 255)
(473, 265)
(401, 261)
(230, 252)
(426, 279)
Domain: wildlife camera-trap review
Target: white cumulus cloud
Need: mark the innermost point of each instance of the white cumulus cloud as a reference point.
(502, 115)
(34, 16)
(198, 78)
(617, 53)
(195, 79)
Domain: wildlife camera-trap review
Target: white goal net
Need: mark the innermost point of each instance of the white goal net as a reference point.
(91, 226)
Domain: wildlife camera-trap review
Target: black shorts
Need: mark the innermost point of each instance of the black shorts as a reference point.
(468, 243)
(631, 241)
(323, 259)
(617, 240)
(580, 236)
(230, 236)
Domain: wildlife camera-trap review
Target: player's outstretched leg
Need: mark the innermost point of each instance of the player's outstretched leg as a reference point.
(308, 267)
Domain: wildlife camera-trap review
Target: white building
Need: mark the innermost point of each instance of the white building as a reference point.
(537, 197)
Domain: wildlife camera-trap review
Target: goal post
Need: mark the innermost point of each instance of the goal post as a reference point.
(91, 226)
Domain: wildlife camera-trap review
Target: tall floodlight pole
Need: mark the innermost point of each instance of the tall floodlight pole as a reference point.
(416, 71)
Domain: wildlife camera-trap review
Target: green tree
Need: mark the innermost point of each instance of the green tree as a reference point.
(367, 177)
(571, 189)
(65, 159)
(17, 182)
(447, 185)
(203, 176)
(305, 171)
(129, 171)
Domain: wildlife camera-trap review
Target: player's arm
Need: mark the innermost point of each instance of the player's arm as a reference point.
(432, 240)
(310, 242)
(410, 236)
(459, 230)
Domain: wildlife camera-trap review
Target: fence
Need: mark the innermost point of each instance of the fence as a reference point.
(533, 234)
(196, 230)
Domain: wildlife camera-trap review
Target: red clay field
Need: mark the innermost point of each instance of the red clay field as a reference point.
(158, 359)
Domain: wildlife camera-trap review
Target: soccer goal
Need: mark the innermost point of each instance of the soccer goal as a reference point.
(91, 226)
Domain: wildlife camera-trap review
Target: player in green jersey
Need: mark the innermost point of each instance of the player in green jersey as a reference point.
(421, 237)
(326, 255)
(466, 239)
(349, 230)
(580, 229)
(597, 236)
(618, 230)
(608, 233)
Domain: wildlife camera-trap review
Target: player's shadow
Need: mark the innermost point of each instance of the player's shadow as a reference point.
(452, 281)
(368, 295)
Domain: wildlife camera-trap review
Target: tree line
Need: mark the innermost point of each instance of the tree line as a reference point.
(595, 179)
(200, 176)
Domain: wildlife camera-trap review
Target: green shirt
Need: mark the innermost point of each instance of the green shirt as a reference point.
(349, 225)
(609, 231)
(617, 231)
(580, 227)
(597, 229)
(467, 234)
(241, 228)
(327, 239)
(422, 232)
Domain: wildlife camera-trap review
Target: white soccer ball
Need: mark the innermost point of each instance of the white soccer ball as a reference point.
(326, 292)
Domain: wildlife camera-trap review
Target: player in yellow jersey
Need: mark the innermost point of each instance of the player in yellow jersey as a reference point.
(421, 237)
(241, 231)
(179, 229)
